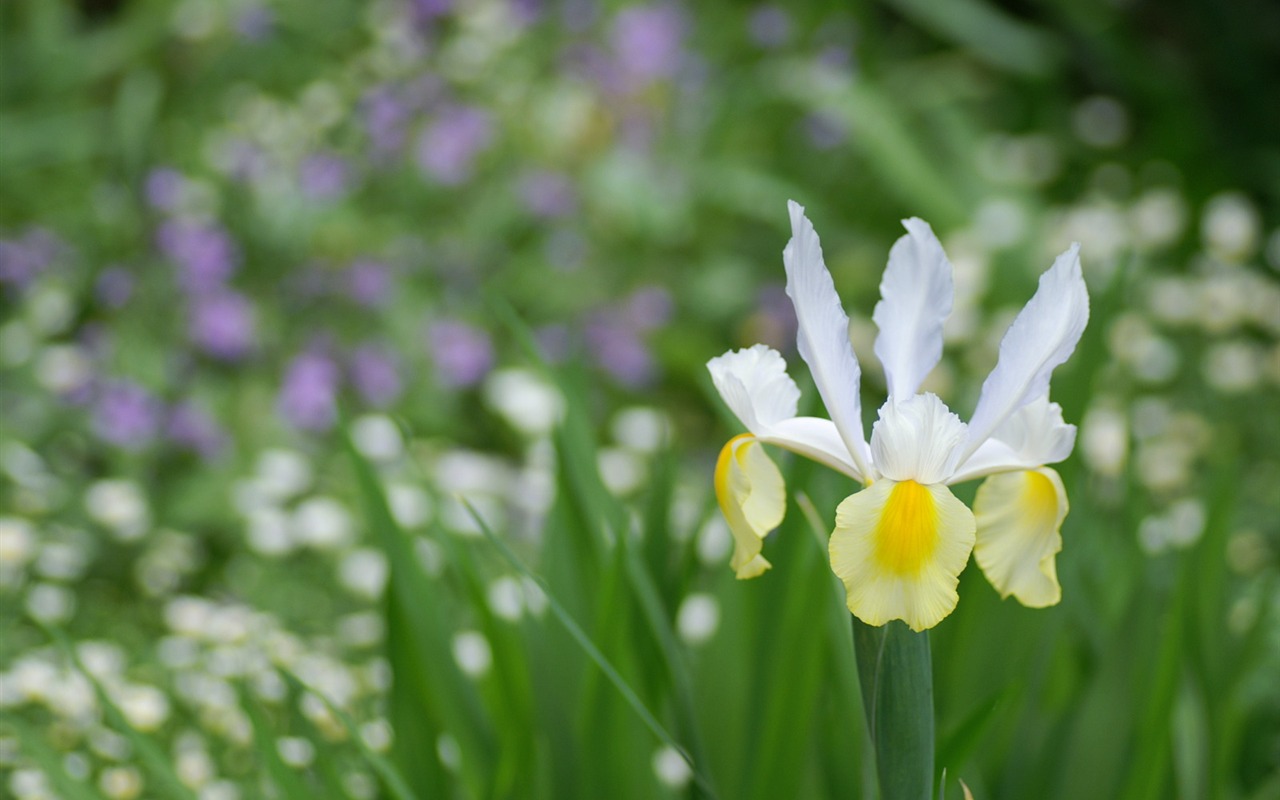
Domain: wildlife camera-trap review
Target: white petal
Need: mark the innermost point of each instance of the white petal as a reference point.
(916, 293)
(752, 497)
(755, 385)
(823, 335)
(916, 439)
(1033, 436)
(1042, 336)
(1019, 518)
(817, 439)
(899, 549)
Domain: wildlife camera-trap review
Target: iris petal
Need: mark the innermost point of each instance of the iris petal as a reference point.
(899, 548)
(752, 497)
(1019, 518)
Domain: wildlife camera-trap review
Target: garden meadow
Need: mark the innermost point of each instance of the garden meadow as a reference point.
(357, 438)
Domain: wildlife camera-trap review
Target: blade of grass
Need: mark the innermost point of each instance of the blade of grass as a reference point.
(47, 759)
(418, 617)
(391, 777)
(593, 652)
(286, 779)
(157, 763)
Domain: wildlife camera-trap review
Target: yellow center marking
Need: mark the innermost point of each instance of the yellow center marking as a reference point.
(723, 495)
(907, 533)
(1040, 500)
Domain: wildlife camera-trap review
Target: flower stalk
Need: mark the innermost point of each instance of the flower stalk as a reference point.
(896, 675)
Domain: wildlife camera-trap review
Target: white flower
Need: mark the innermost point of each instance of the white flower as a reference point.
(900, 544)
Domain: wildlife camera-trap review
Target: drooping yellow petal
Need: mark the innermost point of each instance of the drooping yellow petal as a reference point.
(899, 548)
(1019, 517)
(753, 499)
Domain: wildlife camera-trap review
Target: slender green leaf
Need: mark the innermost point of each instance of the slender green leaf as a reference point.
(593, 652)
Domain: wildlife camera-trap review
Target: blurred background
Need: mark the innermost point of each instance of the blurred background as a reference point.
(493, 243)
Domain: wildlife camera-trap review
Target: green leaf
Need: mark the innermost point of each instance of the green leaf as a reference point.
(286, 779)
(593, 652)
(49, 761)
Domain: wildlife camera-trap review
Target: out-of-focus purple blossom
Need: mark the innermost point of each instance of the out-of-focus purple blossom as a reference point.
(308, 398)
(526, 12)
(579, 15)
(590, 63)
(463, 354)
(375, 372)
(618, 348)
(255, 23)
(385, 116)
(221, 323)
(776, 319)
(648, 308)
(114, 287)
(369, 282)
(647, 41)
(770, 26)
(127, 415)
(825, 131)
(425, 12)
(164, 188)
(548, 194)
(192, 428)
(324, 176)
(23, 258)
(241, 160)
(205, 255)
(554, 342)
(836, 56)
(448, 148)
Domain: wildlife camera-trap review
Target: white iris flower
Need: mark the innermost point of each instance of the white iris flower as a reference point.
(900, 543)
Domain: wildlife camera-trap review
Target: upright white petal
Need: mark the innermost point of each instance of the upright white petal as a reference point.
(1042, 336)
(755, 385)
(823, 335)
(916, 293)
(1032, 436)
(917, 439)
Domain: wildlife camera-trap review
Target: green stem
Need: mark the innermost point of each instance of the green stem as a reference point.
(897, 694)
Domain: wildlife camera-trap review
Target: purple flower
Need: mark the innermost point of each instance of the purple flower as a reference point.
(164, 188)
(770, 26)
(114, 287)
(448, 148)
(775, 322)
(648, 308)
(425, 12)
(241, 160)
(192, 428)
(308, 398)
(375, 372)
(369, 282)
(619, 350)
(647, 41)
(324, 176)
(221, 323)
(554, 342)
(825, 130)
(127, 415)
(255, 23)
(22, 259)
(463, 354)
(205, 255)
(385, 115)
(547, 194)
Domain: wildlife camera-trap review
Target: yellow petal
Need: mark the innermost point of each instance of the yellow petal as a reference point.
(899, 547)
(753, 499)
(1019, 517)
